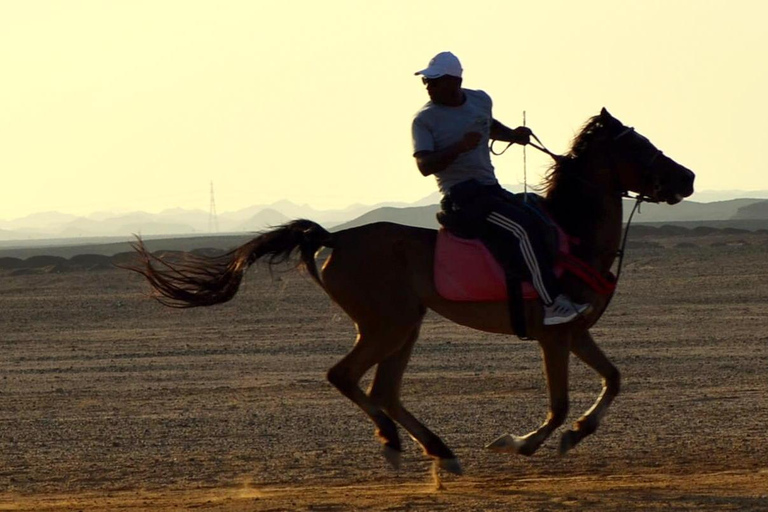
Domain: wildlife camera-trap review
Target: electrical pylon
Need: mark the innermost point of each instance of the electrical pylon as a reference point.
(213, 219)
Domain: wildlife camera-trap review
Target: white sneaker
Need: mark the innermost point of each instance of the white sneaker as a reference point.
(562, 311)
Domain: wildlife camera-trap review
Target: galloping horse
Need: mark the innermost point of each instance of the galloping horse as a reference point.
(381, 275)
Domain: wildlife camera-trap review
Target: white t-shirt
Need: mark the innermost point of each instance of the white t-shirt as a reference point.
(438, 126)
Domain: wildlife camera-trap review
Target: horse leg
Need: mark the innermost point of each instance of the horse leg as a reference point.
(584, 347)
(372, 347)
(555, 353)
(385, 392)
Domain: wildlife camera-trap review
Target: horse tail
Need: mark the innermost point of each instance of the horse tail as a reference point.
(205, 281)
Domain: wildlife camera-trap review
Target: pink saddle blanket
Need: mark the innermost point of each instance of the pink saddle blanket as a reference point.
(465, 270)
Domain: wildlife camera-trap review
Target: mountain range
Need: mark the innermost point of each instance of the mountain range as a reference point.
(177, 221)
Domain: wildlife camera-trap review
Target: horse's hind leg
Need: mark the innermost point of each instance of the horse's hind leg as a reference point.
(373, 345)
(555, 353)
(585, 349)
(385, 391)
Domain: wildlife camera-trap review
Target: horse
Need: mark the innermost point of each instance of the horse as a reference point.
(381, 275)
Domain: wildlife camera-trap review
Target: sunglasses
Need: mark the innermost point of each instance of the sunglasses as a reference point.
(441, 78)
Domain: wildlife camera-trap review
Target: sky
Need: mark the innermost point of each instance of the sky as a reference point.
(142, 105)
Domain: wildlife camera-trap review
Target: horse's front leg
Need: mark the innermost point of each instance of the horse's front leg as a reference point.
(555, 352)
(584, 347)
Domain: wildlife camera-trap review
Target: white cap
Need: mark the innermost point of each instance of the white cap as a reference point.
(444, 63)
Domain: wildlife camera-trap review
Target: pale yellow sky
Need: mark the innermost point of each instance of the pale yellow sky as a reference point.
(139, 105)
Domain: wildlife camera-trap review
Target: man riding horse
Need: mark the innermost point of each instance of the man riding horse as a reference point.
(382, 275)
(451, 135)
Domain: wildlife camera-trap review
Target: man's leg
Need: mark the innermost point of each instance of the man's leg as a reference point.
(507, 222)
(516, 239)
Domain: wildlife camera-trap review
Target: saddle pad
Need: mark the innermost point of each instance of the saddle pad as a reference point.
(465, 270)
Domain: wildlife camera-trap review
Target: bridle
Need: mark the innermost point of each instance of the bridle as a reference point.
(646, 176)
(639, 198)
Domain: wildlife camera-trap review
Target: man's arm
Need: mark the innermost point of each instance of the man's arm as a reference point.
(519, 135)
(431, 162)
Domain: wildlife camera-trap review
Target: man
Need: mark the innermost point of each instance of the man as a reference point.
(451, 136)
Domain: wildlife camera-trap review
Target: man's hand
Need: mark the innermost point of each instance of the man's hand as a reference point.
(431, 162)
(470, 141)
(522, 135)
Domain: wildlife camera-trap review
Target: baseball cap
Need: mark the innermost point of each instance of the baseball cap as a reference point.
(444, 63)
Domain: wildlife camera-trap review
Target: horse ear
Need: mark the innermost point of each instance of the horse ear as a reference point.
(605, 114)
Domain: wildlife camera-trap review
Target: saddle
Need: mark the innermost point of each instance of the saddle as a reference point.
(465, 270)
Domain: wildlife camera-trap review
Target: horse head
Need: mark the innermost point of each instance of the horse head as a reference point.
(640, 167)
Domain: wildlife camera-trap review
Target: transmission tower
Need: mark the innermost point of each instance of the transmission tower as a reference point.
(213, 219)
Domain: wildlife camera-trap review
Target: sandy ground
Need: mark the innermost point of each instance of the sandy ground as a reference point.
(110, 402)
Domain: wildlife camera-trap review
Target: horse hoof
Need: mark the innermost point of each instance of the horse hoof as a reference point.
(567, 441)
(506, 444)
(393, 456)
(450, 465)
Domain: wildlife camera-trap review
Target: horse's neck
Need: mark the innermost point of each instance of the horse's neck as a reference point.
(595, 220)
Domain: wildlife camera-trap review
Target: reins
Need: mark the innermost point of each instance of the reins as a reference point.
(622, 250)
(538, 146)
(541, 147)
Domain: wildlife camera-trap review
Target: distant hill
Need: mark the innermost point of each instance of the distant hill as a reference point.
(753, 211)
(418, 216)
(685, 212)
(709, 196)
(263, 219)
(175, 221)
(109, 247)
(97, 255)
(688, 210)
(182, 222)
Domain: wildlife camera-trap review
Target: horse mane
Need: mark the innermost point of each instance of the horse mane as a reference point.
(567, 193)
(565, 168)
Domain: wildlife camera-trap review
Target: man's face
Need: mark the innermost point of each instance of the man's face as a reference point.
(444, 89)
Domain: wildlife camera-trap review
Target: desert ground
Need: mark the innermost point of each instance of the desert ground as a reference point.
(109, 401)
